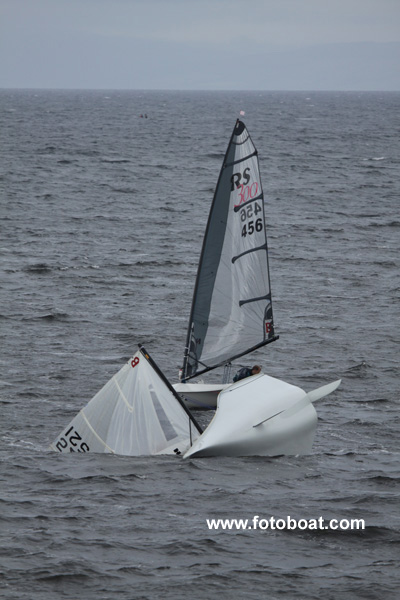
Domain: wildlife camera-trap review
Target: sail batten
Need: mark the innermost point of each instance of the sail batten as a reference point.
(235, 258)
(223, 326)
(240, 206)
(235, 162)
(267, 297)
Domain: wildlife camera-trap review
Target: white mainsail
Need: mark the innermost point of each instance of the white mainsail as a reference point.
(232, 308)
(136, 413)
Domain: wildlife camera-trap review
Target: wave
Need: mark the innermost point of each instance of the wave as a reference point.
(360, 370)
(116, 160)
(386, 480)
(51, 316)
(38, 269)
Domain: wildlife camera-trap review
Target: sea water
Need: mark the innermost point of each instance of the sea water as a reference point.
(104, 201)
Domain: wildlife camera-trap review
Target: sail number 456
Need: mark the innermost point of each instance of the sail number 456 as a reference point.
(250, 211)
(251, 227)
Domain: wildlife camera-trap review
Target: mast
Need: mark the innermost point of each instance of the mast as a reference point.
(169, 386)
(231, 313)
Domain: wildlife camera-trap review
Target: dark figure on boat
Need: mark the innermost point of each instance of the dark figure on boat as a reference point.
(246, 372)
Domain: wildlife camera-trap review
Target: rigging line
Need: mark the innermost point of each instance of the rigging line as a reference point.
(235, 162)
(197, 360)
(263, 247)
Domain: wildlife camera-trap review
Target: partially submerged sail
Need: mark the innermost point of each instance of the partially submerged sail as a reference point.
(232, 308)
(136, 413)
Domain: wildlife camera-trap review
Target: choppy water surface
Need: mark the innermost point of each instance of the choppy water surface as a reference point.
(102, 217)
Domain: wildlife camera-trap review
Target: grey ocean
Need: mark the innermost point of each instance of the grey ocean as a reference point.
(102, 218)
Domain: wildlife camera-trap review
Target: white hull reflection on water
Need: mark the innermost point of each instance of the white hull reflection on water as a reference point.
(102, 221)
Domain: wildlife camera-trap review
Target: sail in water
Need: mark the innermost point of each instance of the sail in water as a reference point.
(136, 413)
(231, 312)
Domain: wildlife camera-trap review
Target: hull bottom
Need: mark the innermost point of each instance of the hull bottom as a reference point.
(259, 416)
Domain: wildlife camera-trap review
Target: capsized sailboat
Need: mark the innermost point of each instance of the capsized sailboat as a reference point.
(231, 314)
(136, 413)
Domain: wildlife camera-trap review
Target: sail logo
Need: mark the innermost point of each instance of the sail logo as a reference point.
(245, 191)
(237, 178)
(269, 328)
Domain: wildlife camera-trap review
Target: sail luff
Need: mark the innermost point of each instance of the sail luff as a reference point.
(199, 269)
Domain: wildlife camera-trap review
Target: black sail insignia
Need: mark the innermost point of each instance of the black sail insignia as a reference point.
(231, 311)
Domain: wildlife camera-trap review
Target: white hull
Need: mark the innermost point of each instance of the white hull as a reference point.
(261, 416)
(200, 395)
